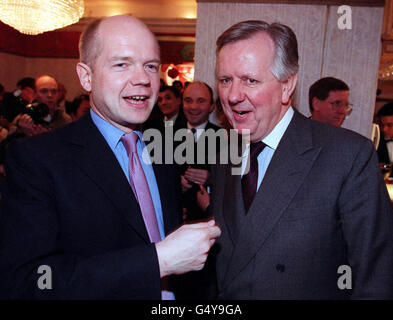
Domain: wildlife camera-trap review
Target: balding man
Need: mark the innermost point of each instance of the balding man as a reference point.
(84, 217)
(47, 92)
(198, 103)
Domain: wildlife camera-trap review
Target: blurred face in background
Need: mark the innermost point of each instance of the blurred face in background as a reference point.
(47, 92)
(197, 103)
(333, 109)
(28, 94)
(168, 103)
(387, 126)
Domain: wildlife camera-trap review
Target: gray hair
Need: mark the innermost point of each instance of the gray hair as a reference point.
(286, 57)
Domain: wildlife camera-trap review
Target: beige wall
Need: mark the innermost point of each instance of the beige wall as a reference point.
(351, 55)
(13, 68)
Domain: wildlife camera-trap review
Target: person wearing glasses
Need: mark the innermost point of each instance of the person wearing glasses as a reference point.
(328, 99)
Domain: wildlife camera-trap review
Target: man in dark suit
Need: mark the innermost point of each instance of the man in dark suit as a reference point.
(311, 218)
(72, 224)
(198, 103)
(385, 147)
(170, 103)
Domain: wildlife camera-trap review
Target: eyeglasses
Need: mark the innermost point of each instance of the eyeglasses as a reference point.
(337, 105)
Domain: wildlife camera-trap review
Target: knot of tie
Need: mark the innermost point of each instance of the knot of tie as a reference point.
(129, 141)
(255, 149)
(193, 130)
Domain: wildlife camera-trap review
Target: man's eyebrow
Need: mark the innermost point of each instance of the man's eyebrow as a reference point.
(154, 60)
(126, 58)
(116, 58)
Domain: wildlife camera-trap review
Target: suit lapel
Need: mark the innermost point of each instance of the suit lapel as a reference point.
(97, 160)
(287, 170)
(170, 210)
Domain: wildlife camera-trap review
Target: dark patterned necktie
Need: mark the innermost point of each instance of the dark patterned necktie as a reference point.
(250, 180)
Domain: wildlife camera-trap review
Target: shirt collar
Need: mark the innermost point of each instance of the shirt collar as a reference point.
(111, 134)
(273, 138)
(201, 126)
(171, 119)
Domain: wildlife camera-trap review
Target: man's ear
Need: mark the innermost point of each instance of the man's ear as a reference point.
(288, 89)
(315, 103)
(84, 73)
(211, 109)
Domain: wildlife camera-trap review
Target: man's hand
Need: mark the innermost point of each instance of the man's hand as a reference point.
(186, 248)
(203, 198)
(27, 126)
(198, 176)
(185, 185)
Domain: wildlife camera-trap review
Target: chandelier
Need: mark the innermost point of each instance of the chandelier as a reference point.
(38, 16)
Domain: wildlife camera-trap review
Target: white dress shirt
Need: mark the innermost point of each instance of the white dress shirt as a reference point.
(271, 140)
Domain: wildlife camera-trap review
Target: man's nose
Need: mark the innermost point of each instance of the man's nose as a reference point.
(139, 76)
(236, 93)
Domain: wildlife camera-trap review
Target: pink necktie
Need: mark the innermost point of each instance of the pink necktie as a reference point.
(140, 186)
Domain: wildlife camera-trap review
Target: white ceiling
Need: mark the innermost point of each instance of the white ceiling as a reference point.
(164, 17)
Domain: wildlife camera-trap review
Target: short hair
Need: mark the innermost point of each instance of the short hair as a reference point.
(386, 110)
(176, 92)
(89, 45)
(207, 87)
(322, 87)
(286, 56)
(26, 82)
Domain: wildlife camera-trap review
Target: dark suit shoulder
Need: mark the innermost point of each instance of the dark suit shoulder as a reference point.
(55, 143)
(326, 135)
(211, 125)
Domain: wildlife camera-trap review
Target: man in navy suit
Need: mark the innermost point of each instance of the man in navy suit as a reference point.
(198, 103)
(71, 226)
(311, 218)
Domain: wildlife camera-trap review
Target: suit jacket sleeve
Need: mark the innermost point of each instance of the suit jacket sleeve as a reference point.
(29, 238)
(367, 224)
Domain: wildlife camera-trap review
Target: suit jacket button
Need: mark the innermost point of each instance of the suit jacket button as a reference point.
(280, 268)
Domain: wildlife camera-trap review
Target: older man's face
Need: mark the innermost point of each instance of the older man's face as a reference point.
(251, 96)
(124, 78)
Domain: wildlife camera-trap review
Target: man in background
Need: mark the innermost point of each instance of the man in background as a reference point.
(198, 103)
(385, 147)
(329, 101)
(47, 92)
